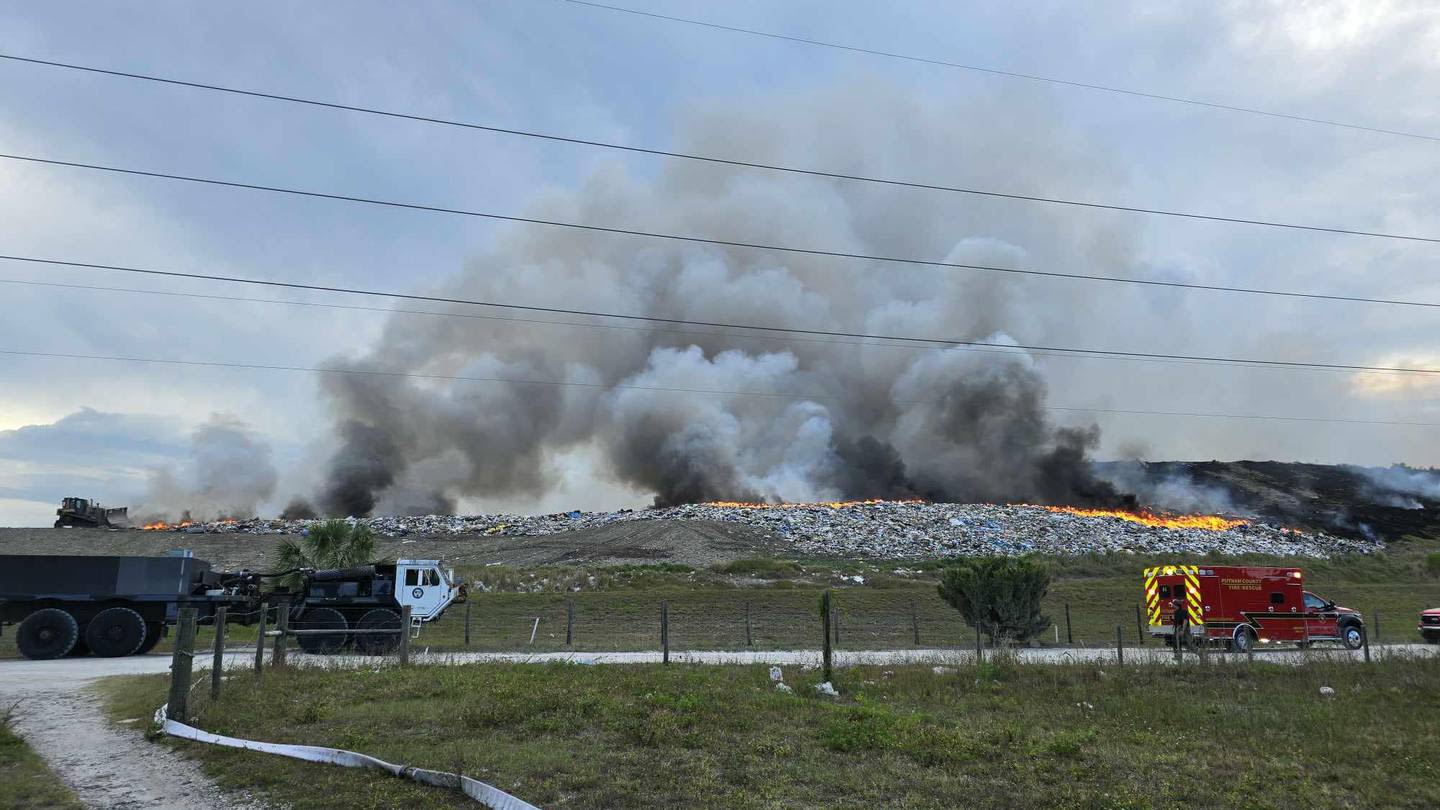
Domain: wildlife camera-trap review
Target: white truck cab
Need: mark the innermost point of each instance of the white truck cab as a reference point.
(425, 587)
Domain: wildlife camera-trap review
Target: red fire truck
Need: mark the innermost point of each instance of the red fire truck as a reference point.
(1239, 605)
(1430, 625)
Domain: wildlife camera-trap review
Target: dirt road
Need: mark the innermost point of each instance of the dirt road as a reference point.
(109, 767)
(691, 542)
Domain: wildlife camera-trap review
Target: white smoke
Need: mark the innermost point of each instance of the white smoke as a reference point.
(228, 474)
(757, 417)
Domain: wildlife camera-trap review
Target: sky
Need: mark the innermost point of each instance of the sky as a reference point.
(122, 432)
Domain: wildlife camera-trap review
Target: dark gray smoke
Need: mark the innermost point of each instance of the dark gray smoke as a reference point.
(691, 414)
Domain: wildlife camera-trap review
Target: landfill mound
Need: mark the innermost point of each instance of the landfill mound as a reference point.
(890, 529)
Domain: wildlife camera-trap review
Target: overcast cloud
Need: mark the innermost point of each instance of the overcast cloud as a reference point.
(78, 427)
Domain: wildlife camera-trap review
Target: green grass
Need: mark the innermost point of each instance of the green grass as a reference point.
(25, 782)
(1003, 735)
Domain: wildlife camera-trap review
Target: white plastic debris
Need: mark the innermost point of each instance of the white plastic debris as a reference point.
(943, 670)
(827, 688)
(885, 529)
(1326, 691)
(783, 687)
(776, 675)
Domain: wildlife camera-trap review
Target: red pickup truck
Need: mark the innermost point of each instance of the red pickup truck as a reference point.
(1430, 625)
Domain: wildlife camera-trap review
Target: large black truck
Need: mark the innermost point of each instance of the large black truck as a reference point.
(116, 606)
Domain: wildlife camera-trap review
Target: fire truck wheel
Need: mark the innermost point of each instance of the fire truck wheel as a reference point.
(115, 632)
(47, 633)
(81, 649)
(1353, 636)
(323, 618)
(378, 643)
(1244, 640)
(153, 631)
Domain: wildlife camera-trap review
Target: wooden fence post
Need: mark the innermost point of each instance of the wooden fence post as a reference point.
(280, 657)
(826, 612)
(405, 636)
(260, 639)
(1069, 633)
(569, 622)
(914, 623)
(665, 632)
(180, 666)
(1139, 627)
(1377, 627)
(467, 624)
(749, 639)
(835, 622)
(1119, 645)
(1365, 643)
(217, 665)
(979, 651)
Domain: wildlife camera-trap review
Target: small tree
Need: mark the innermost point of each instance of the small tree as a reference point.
(332, 544)
(999, 595)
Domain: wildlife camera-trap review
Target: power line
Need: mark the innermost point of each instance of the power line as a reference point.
(1068, 350)
(1006, 73)
(721, 242)
(626, 386)
(784, 341)
(726, 161)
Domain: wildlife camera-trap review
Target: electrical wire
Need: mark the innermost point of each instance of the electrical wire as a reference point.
(710, 241)
(726, 161)
(1069, 350)
(784, 341)
(1006, 73)
(659, 388)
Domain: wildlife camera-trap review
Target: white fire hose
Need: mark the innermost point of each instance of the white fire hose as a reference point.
(488, 795)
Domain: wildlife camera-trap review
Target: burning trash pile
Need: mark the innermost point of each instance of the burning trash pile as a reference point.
(889, 529)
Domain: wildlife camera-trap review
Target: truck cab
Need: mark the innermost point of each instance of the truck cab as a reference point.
(425, 587)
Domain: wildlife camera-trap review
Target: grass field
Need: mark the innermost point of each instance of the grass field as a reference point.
(1000, 735)
(618, 608)
(25, 782)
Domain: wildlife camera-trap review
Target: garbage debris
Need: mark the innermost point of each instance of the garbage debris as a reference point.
(784, 687)
(776, 675)
(826, 688)
(890, 529)
(1326, 691)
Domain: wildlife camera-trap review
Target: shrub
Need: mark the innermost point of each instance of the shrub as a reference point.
(999, 595)
(1432, 563)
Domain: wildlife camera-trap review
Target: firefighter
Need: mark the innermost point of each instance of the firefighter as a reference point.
(1182, 622)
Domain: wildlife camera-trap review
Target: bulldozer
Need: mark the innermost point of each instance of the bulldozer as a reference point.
(85, 513)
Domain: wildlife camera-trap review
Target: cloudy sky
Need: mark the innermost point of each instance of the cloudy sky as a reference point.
(121, 431)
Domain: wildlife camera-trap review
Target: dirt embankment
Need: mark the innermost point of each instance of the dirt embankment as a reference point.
(689, 542)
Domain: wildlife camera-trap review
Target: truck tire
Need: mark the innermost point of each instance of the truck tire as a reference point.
(1244, 640)
(153, 632)
(323, 618)
(378, 644)
(1352, 635)
(81, 649)
(115, 632)
(47, 633)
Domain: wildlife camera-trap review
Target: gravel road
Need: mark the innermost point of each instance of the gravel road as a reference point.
(115, 768)
(109, 767)
(697, 543)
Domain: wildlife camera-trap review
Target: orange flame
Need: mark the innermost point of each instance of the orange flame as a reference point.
(831, 504)
(1148, 518)
(162, 526)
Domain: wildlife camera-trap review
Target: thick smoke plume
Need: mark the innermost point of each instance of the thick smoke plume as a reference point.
(688, 413)
(228, 475)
